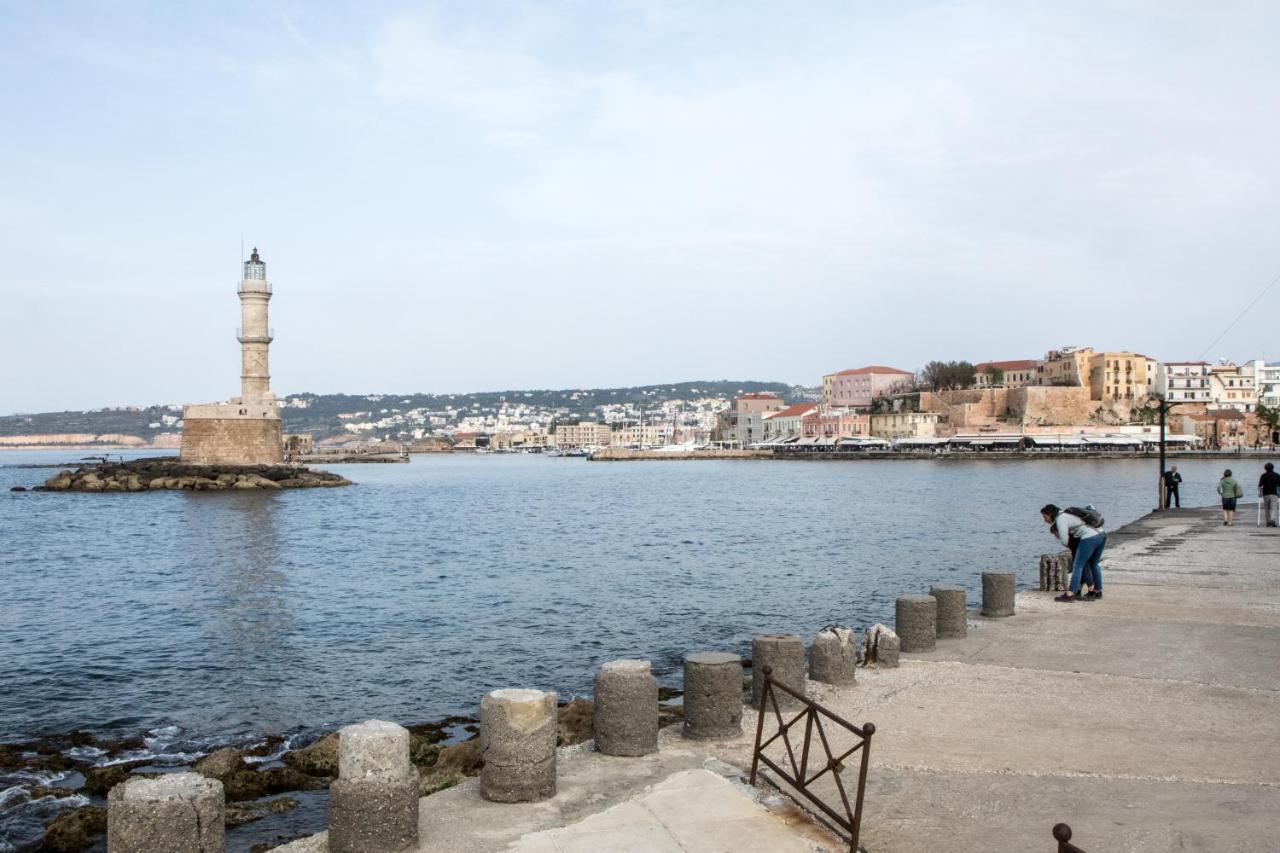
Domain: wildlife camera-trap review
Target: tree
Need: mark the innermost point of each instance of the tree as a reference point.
(995, 376)
(948, 375)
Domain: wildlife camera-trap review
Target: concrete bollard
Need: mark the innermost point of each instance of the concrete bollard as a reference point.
(784, 653)
(712, 695)
(518, 730)
(1055, 571)
(626, 712)
(174, 813)
(887, 651)
(997, 594)
(833, 657)
(373, 804)
(917, 622)
(952, 611)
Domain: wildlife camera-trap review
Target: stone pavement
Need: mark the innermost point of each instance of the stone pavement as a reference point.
(694, 811)
(1148, 721)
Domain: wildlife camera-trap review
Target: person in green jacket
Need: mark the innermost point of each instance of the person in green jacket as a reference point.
(1229, 490)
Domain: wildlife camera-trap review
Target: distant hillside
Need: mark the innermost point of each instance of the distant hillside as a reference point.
(319, 413)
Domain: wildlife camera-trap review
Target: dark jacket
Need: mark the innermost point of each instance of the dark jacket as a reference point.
(1270, 483)
(1172, 479)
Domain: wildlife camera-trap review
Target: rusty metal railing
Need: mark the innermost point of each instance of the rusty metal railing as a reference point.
(812, 715)
(1062, 834)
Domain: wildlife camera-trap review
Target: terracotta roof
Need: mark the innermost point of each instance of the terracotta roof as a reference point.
(1022, 364)
(758, 395)
(873, 368)
(793, 411)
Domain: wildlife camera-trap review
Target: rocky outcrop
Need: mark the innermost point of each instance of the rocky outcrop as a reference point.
(317, 759)
(576, 720)
(142, 475)
(242, 813)
(452, 764)
(220, 763)
(74, 830)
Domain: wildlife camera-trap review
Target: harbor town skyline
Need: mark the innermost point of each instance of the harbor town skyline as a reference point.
(490, 197)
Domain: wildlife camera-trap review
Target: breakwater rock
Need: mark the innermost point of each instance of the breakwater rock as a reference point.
(142, 475)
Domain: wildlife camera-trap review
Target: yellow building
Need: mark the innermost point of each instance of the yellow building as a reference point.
(828, 387)
(895, 425)
(1066, 366)
(1121, 377)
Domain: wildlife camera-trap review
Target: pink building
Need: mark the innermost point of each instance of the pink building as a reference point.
(857, 388)
(835, 424)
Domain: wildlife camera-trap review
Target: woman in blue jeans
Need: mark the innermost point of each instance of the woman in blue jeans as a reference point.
(1086, 544)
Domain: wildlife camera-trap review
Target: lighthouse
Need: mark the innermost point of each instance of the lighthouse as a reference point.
(245, 430)
(255, 332)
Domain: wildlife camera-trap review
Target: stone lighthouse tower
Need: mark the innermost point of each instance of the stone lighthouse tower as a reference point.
(245, 431)
(254, 333)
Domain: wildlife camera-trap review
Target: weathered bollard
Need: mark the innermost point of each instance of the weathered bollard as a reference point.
(997, 594)
(1055, 571)
(880, 647)
(373, 804)
(952, 613)
(784, 654)
(712, 695)
(518, 730)
(174, 813)
(626, 712)
(917, 622)
(833, 656)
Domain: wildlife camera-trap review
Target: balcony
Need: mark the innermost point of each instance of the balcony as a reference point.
(255, 339)
(254, 286)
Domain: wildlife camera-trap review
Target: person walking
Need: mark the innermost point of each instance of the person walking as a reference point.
(1086, 543)
(1171, 480)
(1269, 491)
(1229, 490)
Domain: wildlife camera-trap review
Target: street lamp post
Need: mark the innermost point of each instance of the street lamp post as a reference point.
(1163, 406)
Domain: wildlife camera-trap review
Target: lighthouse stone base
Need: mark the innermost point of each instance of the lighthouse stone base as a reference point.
(232, 434)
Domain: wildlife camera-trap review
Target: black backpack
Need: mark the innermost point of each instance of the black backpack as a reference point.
(1088, 514)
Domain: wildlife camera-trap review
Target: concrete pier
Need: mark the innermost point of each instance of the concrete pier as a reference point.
(916, 622)
(712, 695)
(626, 708)
(997, 594)
(373, 804)
(784, 653)
(518, 742)
(952, 611)
(833, 657)
(175, 813)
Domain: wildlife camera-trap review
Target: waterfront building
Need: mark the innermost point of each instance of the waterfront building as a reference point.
(1121, 377)
(1219, 429)
(895, 425)
(828, 388)
(742, 424)
(785, 423)
(1007, 374)
(829, 424)
(1184, 382)
(246, 430)
(1266, 380)
(640, 435)
(1066, 366)
(1230, 387)
(583, 434)
(858, 387)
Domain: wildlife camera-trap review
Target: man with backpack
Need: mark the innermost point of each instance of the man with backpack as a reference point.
(1079, 529)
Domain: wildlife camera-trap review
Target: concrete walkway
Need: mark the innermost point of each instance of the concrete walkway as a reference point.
(1148, 721)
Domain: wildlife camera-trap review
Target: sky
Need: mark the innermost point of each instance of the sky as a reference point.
(480, 196)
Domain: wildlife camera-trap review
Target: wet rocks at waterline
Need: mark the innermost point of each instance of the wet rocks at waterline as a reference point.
(144, 475)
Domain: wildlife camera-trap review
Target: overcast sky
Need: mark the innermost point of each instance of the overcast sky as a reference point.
(473, 196)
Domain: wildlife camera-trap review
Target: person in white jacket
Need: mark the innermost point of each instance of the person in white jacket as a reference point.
(1086, 544)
